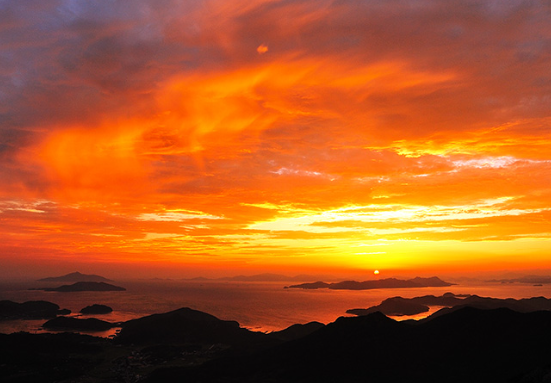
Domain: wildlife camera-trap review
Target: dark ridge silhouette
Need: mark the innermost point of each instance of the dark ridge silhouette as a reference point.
(84, 286)
(186, 326)
(388, 283)
(96, 309)
(410, 306)
(76, 277)
(26, 358)
(296, 331)
(396, 306)
(468, 345)
(88, 324)
(30, 310)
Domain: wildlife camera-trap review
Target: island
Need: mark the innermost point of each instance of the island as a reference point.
(96, 309)
(388, 283)
(10, 310)
(68, 323)
(83, 286)
(398, 306)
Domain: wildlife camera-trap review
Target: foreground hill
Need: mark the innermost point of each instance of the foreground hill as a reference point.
(185, 345)
(186, 326)
(468, 345)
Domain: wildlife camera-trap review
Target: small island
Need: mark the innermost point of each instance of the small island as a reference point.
(96, 309)
(84, 286)
(68, 323)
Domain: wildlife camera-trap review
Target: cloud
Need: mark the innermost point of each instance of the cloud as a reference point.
(271, 117)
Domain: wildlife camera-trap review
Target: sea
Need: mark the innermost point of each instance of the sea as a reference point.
(258, 306)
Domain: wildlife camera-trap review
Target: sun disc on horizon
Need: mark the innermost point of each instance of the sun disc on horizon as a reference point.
(376, 272)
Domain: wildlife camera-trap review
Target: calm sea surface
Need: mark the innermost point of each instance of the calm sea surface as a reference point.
(257, 306)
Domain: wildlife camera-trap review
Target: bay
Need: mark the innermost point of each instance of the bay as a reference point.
(257, 306)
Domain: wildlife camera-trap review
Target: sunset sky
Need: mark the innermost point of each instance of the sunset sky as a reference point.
(182, 138)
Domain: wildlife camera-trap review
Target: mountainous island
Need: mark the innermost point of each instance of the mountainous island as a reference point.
(388, 283)
(76, 277)
(10, 310)
(83, 286)
(398, 306)
(467, 344)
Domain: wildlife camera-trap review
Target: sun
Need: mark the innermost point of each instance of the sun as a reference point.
(376, 272)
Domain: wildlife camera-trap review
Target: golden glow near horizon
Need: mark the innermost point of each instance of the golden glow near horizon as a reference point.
(276, 136)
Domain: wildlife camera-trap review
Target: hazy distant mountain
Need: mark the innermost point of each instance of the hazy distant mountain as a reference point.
(388, 283)
(266, 277)
(76, 277)
(534, 279)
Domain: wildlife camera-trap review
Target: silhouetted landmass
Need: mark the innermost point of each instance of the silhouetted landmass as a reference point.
(186, 326)
(30, 310)
(88, 324)
(96, 309)
(296, 331)
(388, 283)
(469, 345)
(28, 358)
(76, 277)
(466, 345)
(311, 285)
(84, 286)
(412, 306)
(396, 306)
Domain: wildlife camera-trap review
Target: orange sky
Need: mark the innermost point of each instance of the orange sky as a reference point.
(186, 138)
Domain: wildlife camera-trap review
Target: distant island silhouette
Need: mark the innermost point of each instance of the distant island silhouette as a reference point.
(388, 283)
(83, 286)
(536, 280)
(76, 277)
